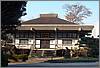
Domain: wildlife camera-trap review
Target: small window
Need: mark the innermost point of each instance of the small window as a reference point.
(59, 35)
(45, 35)
(52, 35)
(70, 35)
(17, 36)
(38, 35)
(21, 35)
(30, 35)
(64, 35)
(26, 35)
(74, 35)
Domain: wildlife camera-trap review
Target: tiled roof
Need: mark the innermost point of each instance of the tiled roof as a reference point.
(47, 20)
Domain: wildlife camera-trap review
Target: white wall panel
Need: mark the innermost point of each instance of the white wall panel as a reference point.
(37, 46)
(59, 41)
(52, 46)
(16, 41)
(30, 41)
(23, 46)
(52, 41)
(74, 41)
(37, 41)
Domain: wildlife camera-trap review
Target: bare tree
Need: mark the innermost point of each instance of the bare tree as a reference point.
(76, 13)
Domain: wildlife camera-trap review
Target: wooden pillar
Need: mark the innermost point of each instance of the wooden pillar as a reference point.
(79, 30)
(33, 45)
(56, 40)
(34, 40)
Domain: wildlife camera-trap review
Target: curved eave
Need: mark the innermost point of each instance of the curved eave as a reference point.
(58, 26)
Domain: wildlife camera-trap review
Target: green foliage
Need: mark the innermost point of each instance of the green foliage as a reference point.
(82, 59)
(11, 11)
(38, 55)
(4, 59)
(67, 54)
(74, 60)
(16, 57)
(93, 44)
(21, 56)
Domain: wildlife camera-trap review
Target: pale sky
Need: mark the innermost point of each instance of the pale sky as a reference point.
(35, 8)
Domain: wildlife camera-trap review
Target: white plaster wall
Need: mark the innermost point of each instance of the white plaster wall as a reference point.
(37, 46)
(37, 41)
(52, 46)
(59, 41)
(16, 41)
(23, 46)
(71, 45)
(30, 41)
(74, 41)
(52, 41)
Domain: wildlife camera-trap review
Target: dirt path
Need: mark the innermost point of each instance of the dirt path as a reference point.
(37, 60)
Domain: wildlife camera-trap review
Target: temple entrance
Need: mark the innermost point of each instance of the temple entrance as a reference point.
(45, 43)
